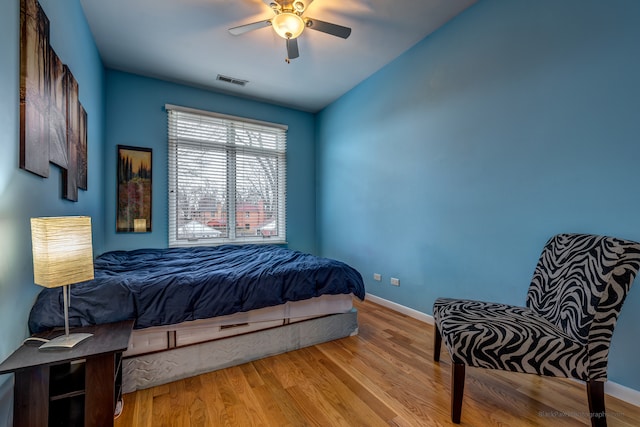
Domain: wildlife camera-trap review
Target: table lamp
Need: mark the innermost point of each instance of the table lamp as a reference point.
(62, 255)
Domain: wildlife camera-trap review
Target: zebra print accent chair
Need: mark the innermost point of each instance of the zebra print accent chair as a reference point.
(572, 305)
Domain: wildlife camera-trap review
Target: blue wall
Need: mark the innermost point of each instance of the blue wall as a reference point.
(136, 116)
(452, 166)
(449, 168)
(24, 195)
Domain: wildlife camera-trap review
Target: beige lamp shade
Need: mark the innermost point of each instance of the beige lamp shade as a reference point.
(62, 250)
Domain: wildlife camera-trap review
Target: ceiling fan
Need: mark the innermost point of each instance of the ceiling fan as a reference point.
(289, 24)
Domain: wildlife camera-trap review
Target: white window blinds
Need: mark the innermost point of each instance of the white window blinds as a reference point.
(227, 180)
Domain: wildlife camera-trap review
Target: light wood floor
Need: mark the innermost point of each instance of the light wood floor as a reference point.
(383, 376)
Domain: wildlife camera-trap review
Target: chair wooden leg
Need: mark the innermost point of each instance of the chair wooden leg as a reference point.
(437, 343)
(457, 391)
(595, 394)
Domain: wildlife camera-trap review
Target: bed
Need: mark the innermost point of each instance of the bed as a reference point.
(204, 308)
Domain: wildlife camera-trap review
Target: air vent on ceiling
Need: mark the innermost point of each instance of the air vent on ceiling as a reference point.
(232, 80)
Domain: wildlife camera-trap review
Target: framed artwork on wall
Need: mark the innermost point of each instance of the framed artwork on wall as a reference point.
(134, 190)
(53, 122)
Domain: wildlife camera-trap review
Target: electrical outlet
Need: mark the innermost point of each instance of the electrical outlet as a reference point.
(377, 277)
(395, 281)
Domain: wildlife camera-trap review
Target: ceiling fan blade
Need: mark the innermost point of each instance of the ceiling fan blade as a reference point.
(292, 48)
(327, 27)
(241, 29)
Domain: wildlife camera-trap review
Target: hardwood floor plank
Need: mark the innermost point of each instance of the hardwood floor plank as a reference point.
(385, 375)
(315, 413)
(338, 394)
(313, 389)
(194, 403)
(164, 403)
(272, 394)
(210, 392)
(374, 380)
(142, 408)
(379, 406)
(248, 401)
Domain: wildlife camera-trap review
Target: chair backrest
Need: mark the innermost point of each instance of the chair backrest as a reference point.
(580, 284)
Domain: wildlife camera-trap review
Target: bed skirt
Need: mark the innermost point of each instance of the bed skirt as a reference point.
(149, 370)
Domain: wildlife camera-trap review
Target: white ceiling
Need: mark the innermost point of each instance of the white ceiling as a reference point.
(187, 41)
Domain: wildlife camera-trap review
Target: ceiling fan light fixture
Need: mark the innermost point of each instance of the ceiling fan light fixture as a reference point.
(288, 25)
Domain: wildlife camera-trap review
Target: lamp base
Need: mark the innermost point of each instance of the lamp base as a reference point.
(64, 341)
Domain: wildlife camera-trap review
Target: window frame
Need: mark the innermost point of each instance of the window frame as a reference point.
(232, 149)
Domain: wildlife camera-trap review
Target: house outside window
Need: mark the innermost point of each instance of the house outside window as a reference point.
(227, 180)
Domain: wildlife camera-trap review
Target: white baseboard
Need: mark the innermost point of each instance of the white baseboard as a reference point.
(401, 309)
(623, 393)
(611, 388)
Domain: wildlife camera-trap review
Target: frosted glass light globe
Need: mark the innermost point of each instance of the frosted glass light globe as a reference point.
(288, 25)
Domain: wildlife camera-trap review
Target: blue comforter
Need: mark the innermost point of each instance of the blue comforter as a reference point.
(167, 286)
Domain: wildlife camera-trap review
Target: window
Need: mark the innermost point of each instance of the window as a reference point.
(227, 181)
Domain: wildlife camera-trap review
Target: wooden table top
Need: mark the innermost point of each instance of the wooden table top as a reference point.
(107, 338)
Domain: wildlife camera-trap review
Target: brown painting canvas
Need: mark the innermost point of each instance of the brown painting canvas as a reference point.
(82, 150)
(57, 111)
(53, 123)
(72, 126)
(34, 88)
(134, 189)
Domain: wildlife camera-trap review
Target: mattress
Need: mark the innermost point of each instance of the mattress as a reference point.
(161, 338)
(159, 287)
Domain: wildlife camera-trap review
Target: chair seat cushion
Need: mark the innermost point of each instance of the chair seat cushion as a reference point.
(512, 338)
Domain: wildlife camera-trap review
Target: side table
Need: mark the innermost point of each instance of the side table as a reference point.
(52, 387)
